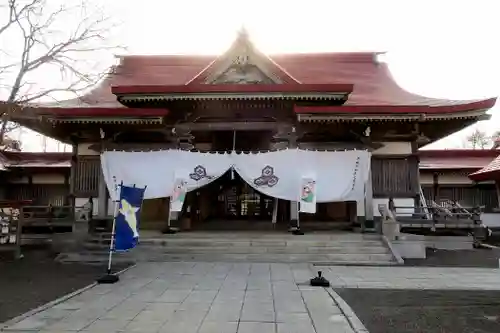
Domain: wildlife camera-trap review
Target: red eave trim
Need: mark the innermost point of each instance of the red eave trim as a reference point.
(388, 109)
(103, 112)
(458, 153)
(485, 175)
(234, 88)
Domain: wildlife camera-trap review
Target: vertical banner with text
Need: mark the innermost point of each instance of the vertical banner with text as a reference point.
(179, 195)
(308, 195)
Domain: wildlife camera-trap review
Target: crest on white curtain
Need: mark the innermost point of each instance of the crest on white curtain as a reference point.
(199, 173)
(308, 195)
(267, 178)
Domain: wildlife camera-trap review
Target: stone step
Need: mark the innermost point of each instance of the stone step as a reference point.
(373, 259)
(246, 243)
(321, 248)
(252, 249)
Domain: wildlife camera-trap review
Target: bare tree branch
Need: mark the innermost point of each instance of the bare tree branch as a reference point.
(478, 140)
(45, 41)
(15, 13)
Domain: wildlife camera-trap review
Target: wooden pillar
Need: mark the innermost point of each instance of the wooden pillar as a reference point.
(67, 200)
(102, 199)
(72, 184)
(368, 201)
(294, 205)
(435, 187)
(497, 186)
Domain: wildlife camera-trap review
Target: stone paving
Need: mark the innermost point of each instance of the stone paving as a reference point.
(442, 278)
(198, 297)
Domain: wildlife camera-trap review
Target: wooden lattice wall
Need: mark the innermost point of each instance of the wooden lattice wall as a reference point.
(88, 169)
(395, 176)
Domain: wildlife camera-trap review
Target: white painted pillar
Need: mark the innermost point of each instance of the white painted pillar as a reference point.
(294, 213)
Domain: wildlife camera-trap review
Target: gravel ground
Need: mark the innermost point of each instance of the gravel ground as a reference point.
(37, 279)
(481, 258)
(417, 311)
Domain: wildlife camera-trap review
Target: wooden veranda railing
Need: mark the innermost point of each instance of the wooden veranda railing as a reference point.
(437, 216)
(17, 216)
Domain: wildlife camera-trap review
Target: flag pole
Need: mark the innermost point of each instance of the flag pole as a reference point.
(111, 278)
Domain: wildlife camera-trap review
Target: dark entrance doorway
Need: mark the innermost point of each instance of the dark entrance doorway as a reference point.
(234, 199)
(230, 203)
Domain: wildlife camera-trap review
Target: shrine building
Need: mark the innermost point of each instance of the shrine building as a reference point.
(245, 100)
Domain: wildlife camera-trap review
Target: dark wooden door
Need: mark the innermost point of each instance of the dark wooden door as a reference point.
(234, 199)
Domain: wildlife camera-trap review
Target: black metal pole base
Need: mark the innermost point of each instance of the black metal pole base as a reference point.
(319, 281)
(170, 230)
(296, 231)
(108, 279)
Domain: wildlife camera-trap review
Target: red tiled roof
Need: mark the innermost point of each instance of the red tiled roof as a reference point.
(373, 83)
(456, 158)
(489, 172)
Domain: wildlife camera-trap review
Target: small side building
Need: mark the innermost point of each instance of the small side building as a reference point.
(444, 176)
(42, 178)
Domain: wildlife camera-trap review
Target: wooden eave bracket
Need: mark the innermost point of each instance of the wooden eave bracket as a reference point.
(323, 117)
(107, 120)
(312, 96)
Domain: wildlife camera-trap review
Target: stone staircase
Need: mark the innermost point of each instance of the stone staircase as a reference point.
(316, 248)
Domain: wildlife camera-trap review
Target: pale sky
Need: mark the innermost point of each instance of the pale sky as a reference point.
(441, 48)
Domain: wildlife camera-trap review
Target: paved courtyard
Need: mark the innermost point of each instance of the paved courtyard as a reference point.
(440, 278)
(236, 297)
(198, 297)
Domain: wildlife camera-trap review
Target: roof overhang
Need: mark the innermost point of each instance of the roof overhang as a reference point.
(481, 176)
(385, 113)
(233, 92)
(38, 165)
(96, 115)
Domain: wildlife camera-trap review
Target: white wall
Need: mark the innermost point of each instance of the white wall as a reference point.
(491, 219)
(49, 178)
(394, 148)
(46, 178)
(83, 149)
(449, 178)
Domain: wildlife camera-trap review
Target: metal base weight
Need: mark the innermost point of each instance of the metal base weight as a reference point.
(319, 281)
(170, 230)
(108, 279)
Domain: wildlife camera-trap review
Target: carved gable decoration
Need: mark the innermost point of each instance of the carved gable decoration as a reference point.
(242, 64)
(243, 74)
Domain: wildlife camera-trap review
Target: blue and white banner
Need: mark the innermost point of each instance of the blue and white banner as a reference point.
(128, 217)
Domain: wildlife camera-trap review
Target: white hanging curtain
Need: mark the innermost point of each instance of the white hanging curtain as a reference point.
(200, 169)
(153, 169)
(157, 170)
(273, 173)
(339, 176)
